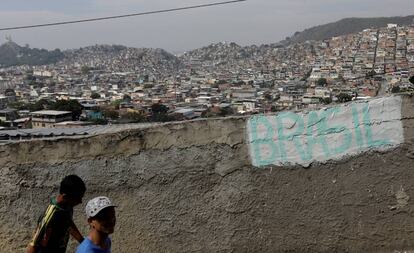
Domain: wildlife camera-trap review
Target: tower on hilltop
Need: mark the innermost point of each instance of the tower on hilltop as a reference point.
(9, 38)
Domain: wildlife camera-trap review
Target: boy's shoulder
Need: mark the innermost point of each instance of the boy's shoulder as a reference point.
(58, 213)
(55, 216)
(87, 246)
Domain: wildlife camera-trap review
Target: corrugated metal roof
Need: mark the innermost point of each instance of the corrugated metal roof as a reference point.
(47, 133)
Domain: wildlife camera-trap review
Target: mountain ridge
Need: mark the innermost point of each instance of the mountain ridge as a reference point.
(346, 26)
(11, 54)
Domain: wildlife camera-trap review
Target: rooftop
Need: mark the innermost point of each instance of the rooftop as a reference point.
(51, 112)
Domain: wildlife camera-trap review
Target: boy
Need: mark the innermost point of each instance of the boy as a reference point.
(101, 218)
(54, 227)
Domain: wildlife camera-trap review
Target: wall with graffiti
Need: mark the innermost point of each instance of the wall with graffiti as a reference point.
(326, 134)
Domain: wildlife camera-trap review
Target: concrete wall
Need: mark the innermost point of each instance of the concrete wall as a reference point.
(191, 186)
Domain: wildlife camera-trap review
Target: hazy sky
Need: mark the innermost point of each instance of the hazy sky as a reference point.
(251, 22)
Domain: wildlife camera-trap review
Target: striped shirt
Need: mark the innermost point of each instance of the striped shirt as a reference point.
(52, 232)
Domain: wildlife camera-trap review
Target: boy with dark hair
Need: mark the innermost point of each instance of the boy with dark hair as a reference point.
(55, 225)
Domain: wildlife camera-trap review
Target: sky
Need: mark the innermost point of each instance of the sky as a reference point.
(251, 22)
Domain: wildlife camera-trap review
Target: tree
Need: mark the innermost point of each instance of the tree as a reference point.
(159, 108)
(42, 104)
(268, 97)
(341, 78)
(326, 101)
(111, 114)
(95, 95)
(344, 97)
(4, 124)
(134, 117)
(127, 98)
(395, 89)
(225, 111)
(85, 70)
(116, 103)
(68, 105)
(370, 74)
(308, 74)
(322, 82)
(159, 113)
(19, 105)
(412, 79)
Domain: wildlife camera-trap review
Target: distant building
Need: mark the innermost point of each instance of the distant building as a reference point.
(42, 73)
(183, 114)
(48, 118)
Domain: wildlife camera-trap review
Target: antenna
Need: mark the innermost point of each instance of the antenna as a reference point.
(8, 38)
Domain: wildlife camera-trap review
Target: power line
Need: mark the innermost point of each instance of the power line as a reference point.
(120, 16)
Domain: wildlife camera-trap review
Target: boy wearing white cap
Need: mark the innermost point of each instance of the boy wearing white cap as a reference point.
(101, 218)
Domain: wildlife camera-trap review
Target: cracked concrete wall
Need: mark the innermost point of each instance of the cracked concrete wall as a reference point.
(190, 187)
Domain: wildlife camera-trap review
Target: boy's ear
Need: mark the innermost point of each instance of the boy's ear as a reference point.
(90, 222)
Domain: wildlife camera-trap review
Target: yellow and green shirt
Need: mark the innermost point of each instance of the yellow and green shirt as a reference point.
(52, 232)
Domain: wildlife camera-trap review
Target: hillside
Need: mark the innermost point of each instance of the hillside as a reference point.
(11, 54)
(219, 51)
(121, 58)
(347, 26)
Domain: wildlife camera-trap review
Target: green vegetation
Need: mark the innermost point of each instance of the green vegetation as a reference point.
(326, 101)
(60, 105)
(95, 95)
(159, 113)
(217, 112)
(12, 54)
(322, 82)
(68, 105)
(308, 74)
(110, 113)
(4, 124)
(116, 103)
(42, 104)
(85, 70)
(370, 74)
(396, 89)
(344, 97)
(134, 117)
(18, 105)
(127, 98)
(346, 26)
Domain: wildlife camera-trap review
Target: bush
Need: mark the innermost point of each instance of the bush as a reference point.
(134, 117)
(322, 82)
(395, 89)
(111, 114)
(344, 97)
(95, 95)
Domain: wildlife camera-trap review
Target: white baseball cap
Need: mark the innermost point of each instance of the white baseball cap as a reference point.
(95, 205)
